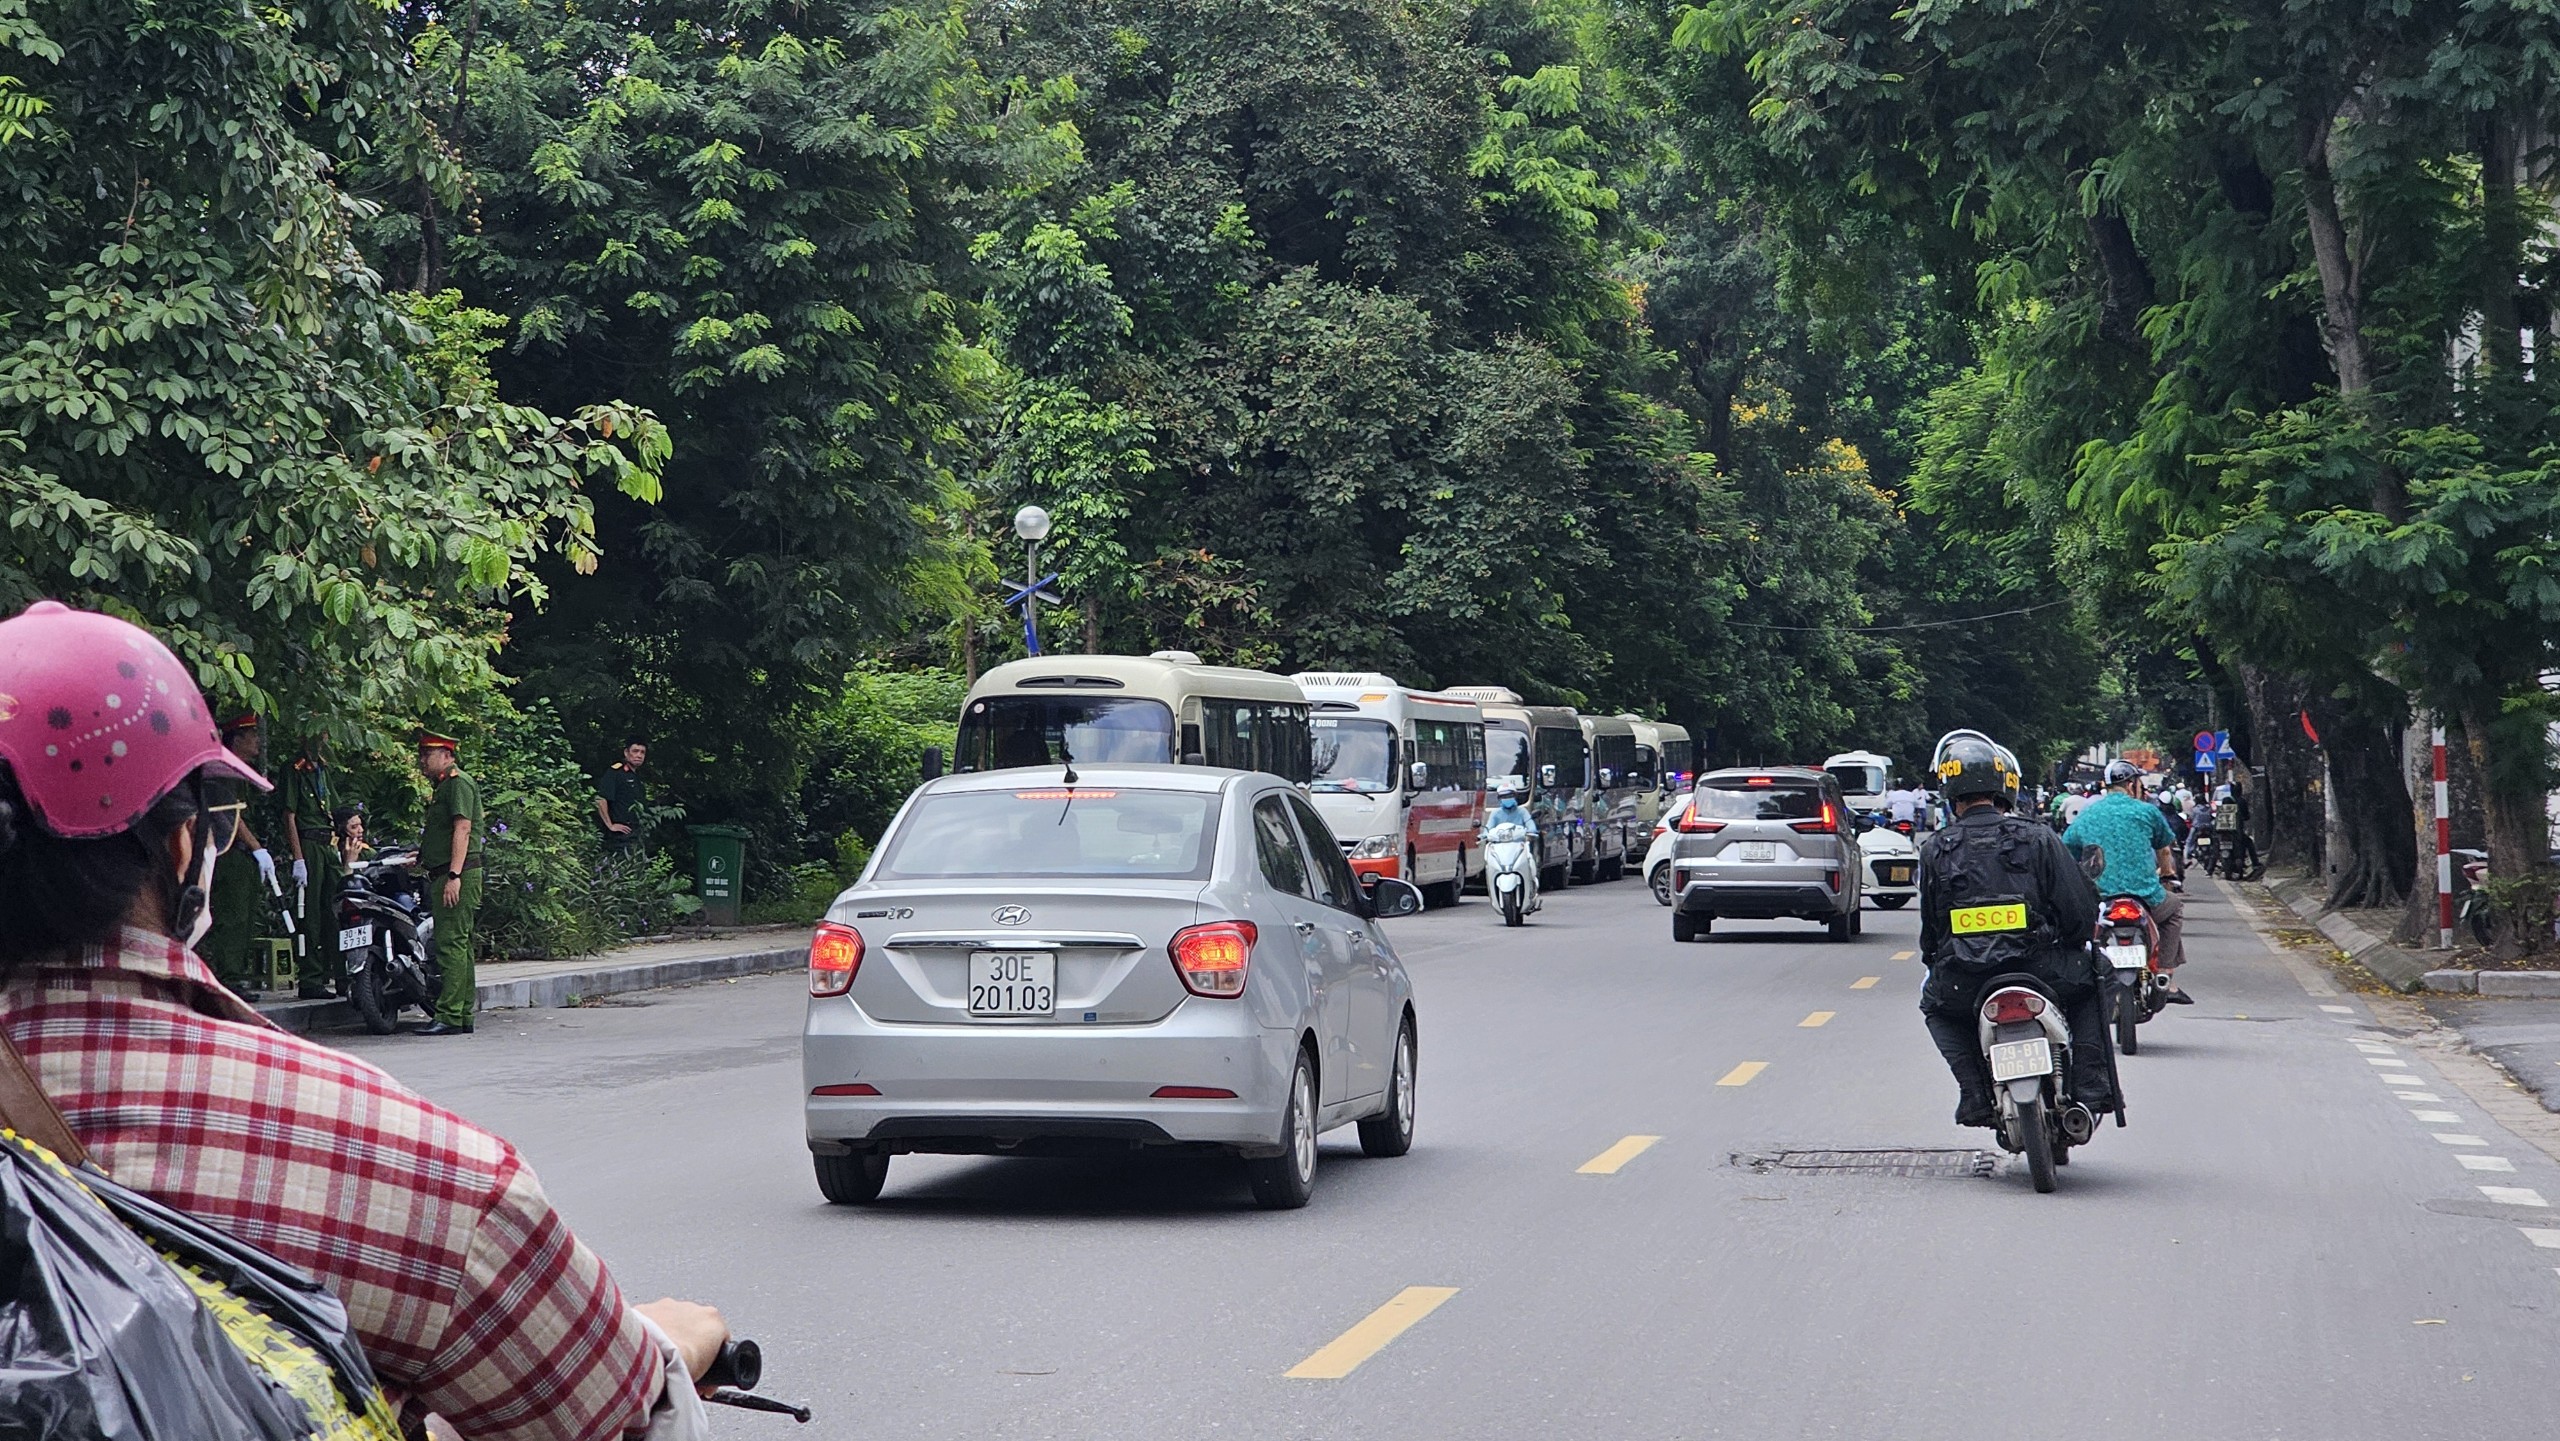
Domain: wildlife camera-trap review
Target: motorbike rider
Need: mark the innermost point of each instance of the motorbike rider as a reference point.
(1509, 812)
(466, 1289)
(1987, 851)
(2141, 858)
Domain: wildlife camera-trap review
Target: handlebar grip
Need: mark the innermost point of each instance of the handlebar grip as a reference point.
(740, 1364)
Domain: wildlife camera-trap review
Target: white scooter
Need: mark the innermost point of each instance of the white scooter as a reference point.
(1511, 870)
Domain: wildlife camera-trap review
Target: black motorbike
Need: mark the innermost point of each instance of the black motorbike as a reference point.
(386, 940)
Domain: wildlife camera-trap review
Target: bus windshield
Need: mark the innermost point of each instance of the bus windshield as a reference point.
(1858, 780)
(1354, 755)
(1001, 732)
(1506, 751)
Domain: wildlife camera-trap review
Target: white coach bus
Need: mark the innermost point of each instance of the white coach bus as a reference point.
(1399, 774)
(1152, 709)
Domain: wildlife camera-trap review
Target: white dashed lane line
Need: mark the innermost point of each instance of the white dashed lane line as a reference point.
(2515, 1196)
(2455, 1138)
(2437, 1118)
(2339, 1010)
(2485, 1163)
(2546, 1239)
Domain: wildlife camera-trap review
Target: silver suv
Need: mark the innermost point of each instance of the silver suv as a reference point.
(1762, 843)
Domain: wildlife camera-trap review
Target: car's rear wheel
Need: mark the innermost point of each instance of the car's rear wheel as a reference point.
(1284, 1182)
(1390, 1132)
(1893, 903)
(1839, 925)
(1660, 881)
(1686, 927)
(852, 1180)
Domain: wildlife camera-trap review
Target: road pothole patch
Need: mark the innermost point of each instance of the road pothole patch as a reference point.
(1921, 1164)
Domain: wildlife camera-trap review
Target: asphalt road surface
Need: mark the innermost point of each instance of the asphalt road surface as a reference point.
(2311, 1228)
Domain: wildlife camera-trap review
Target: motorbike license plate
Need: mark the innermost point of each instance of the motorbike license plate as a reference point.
(1757, 853)
(356, 938)
(2129, 957)
(2016, 1060)
(1013, 983)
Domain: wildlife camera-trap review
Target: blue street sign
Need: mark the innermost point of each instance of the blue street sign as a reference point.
(2222, 746)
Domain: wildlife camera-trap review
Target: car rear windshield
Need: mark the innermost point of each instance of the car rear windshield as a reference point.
(1742, 801)
(1053, 830)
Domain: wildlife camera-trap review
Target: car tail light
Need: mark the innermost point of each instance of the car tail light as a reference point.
(1194, 1093)
(1212, 959)
(835, 954)
(1698, 825)
(2124, 909)
(1826, 824)
(2011, 1006)
(848, 1088)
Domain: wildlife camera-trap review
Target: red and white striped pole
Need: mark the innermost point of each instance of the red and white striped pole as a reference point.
(2444, 847)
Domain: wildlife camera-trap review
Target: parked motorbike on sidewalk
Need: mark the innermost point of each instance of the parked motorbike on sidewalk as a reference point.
(2028, 1046)
(386, 940)
(1511, 871)
(2128, 950)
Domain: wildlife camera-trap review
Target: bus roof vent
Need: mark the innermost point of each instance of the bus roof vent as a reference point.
(1082, 682)
(1345, 680)
(1498, 694)
(1177, 657)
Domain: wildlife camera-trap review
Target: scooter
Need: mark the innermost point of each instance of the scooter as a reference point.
(2128, 944)
(2029, 1048)
(1511, 871)
(386, 940)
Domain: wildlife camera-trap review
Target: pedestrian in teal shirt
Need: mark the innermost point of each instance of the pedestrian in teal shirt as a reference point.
(2141, 853)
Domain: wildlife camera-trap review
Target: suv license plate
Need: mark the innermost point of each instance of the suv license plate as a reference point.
(2015, 1060)
(1758, 853)
(1013, 983)
(2128, 958)
(355, 938)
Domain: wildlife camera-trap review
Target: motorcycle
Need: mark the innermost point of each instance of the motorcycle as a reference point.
(2028, 1046)
(2128, 949)
(386, 940)
(733, 1376)
(1511, 871)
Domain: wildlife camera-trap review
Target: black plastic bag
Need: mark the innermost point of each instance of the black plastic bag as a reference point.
(122, 1320)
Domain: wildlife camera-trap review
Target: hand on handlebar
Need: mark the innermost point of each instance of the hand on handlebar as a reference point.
(698, 1331)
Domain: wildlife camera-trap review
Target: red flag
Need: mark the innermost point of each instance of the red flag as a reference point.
(2307, 728)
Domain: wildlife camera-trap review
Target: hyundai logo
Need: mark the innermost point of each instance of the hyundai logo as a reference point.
(1013, 915)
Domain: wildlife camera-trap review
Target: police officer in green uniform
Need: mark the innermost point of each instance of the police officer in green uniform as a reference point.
(241, 877)
(318, 875)
(449, 846)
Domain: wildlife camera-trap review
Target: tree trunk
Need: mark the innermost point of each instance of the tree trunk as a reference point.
(1092, 626)
(969, 649)
(2515, 824)
(2373, 852)
(2287, 806)
(2502, 239)
(2334, 251)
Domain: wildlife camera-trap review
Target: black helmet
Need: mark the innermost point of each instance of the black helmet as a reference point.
(2121, 771)
(1969, 763)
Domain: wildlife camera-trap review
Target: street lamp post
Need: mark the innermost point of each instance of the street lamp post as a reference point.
(1031, 523)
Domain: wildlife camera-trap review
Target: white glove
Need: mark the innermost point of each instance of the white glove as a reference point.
(301, 871)
(266, 864)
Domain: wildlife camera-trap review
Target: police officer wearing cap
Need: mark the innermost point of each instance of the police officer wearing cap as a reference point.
(449, 846)
(1989, 855)
(242, 877)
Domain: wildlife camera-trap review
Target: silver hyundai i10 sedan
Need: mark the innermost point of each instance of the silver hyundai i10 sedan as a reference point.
(1048, 962)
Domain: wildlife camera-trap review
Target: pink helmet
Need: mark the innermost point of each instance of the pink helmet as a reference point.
(98, 720)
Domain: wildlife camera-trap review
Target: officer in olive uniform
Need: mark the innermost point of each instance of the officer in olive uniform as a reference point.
(241, 878)
(449, 847)
(318, 875)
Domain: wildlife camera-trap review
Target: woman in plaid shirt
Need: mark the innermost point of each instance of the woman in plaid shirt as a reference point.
(470, 1295)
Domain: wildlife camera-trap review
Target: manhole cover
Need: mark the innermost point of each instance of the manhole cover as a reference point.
(1869, 1163)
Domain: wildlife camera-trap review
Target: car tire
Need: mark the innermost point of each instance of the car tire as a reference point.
(1284, 1182)
(1660, 882)
(1840, 925)
(852, 1180)
(1857, 922)
(1892, 903)
(1686, 927)
(1390, 1132)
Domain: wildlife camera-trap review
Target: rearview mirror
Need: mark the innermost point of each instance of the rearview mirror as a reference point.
(931, 766)
(1417, 776)
(1385, 898)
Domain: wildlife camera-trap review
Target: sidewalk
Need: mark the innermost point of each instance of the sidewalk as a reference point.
(742, 951)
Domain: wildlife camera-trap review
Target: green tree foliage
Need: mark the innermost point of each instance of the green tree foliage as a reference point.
(212, 416)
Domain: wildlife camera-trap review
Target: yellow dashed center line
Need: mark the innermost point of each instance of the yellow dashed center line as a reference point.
(1818, 1018)
(1608, 1161)
(1865, 983)
(1741, 1075)
(1904, 955)
(1345, 1352)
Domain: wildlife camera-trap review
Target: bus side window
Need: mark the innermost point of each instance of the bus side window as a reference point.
(1226, 734)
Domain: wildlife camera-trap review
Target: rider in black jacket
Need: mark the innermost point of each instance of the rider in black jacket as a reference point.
(1987, 853)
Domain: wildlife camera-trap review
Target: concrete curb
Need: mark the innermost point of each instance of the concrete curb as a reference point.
(560, 988)
(2394, 965)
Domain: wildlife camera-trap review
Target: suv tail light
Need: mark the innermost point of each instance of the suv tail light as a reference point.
(2011, 1006)
(835, 954)
(2124, 908)
(1827, 824)
(1697, 825)
(1212, 959)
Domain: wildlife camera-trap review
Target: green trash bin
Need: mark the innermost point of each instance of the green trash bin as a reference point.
(719, 871)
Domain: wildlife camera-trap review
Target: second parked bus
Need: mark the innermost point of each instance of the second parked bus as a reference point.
(1399, 775)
